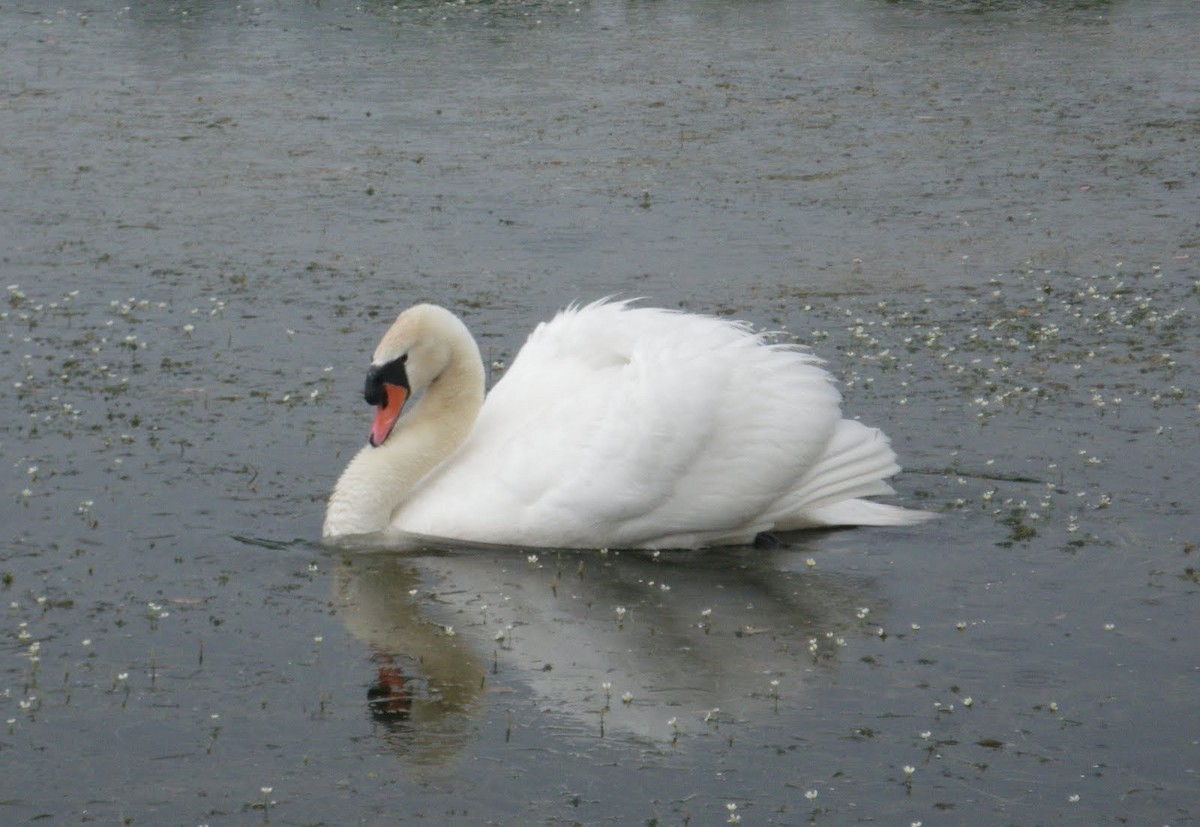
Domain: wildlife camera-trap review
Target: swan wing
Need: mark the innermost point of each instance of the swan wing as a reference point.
(625, 426)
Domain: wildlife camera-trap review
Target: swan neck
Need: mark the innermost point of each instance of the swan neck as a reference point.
(378, 481)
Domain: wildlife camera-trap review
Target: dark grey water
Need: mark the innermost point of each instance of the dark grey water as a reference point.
(984, 214)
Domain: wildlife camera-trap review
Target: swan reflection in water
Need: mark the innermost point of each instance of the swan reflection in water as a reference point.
(426, 684)
(566, 634)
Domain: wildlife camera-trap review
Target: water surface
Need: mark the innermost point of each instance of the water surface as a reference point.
(983, 214)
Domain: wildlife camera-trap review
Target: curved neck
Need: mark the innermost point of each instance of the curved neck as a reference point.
(378, 480)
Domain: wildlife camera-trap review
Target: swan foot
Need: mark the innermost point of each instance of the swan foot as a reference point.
(767, 540)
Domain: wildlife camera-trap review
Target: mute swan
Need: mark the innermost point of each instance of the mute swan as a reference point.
(615, 426)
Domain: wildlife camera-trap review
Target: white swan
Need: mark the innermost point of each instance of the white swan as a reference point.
(615, 426)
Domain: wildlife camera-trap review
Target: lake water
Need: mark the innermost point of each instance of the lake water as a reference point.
(982, 214)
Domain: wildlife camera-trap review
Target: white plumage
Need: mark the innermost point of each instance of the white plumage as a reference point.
(615, 426)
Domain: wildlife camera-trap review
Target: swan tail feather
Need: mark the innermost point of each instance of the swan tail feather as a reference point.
(857, 464)
(863, 513)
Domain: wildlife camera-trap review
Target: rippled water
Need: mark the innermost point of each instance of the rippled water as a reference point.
(983, 214)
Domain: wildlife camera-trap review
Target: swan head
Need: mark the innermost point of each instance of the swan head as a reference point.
(416, 350)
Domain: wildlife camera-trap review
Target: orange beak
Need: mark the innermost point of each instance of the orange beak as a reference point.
(394, 397)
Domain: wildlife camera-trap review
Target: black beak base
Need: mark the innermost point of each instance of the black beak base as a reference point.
(393, 373)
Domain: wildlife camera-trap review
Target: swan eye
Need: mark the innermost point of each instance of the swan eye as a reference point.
(393, 373)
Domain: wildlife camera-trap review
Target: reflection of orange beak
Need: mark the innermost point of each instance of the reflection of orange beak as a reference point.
(394, 397)
(394, 697)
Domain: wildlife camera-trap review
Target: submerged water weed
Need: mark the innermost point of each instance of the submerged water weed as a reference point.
(1104, 345)
(114, 371)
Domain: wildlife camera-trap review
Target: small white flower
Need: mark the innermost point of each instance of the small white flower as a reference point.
(811, 795)
(1074, 799)
(627, 698)
(909, 770)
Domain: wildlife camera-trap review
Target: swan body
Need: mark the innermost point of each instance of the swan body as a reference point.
(615, 426)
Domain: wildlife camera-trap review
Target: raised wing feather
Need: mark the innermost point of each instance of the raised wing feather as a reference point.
(633, 426)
